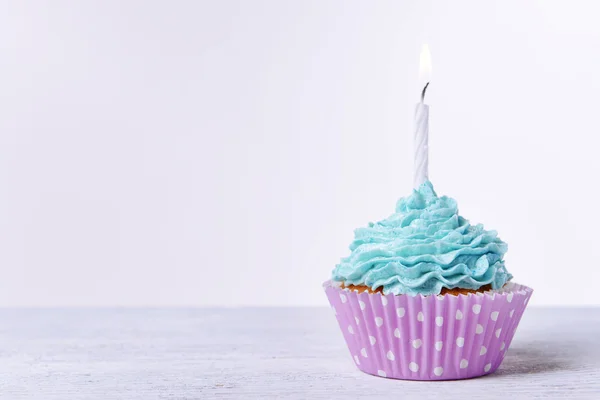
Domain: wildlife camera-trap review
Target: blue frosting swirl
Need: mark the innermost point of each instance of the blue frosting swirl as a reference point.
(422, 248)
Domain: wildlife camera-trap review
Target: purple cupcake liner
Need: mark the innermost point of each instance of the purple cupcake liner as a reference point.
(428, 337)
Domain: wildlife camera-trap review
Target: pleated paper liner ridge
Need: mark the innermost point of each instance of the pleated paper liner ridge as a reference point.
(428, 337)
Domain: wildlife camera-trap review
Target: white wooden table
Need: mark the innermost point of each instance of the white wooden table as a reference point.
(264, 353)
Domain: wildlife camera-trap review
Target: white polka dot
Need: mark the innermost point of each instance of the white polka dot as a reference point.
(357, 320)
(460, 341)
(494, 315)
(343, 297)
(397, 333)
(479, 329)
(439, 345)
(400, 311)
(381, 373)
(487, 367)
(511, 313)
(378, 321)
(509, 297)
(363, 352)
(413, 366)
(464, 363)
(483, 350)
(439, 321)
(417, 343)
(459, 314)
(372, 340)
(502, 346)
(350, 329)
(384, 300)
(361, 304)
(390, 356)
(438, 371)
(420, 316)
(356, 360)
(477, 308)
(498, 331)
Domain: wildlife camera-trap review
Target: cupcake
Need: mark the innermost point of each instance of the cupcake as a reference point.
(425, 295)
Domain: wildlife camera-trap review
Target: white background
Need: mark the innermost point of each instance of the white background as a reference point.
(222, 152)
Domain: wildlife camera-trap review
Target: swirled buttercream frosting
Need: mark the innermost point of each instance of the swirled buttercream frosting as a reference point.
(423, 247)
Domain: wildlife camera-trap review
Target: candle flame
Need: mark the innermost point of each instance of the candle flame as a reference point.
(425, 65)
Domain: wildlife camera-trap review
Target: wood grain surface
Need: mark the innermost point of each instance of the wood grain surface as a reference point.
(295, 353)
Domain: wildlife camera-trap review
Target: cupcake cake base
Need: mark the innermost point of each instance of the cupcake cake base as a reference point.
(454, 291)
(441, 337)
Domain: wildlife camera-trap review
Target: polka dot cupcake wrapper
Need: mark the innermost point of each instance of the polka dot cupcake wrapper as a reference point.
(428, 337)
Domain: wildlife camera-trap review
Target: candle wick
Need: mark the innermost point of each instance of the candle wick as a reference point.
(423, 92)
